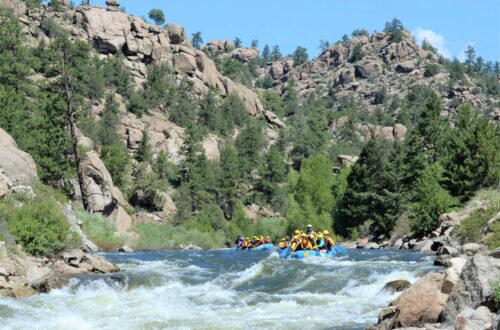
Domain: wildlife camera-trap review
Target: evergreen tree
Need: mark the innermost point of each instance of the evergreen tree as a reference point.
(372, 192)
(470, 55)
(291, 98)
(345, 40)
(157, 16)
(323, 45)
(395, 30)
(255, 43)
(145, 152)
(230, 177)
(431, 201)
(272, 173)
(69, 62)
(473, 157)
(266, 53)
(210, 115)
(276, 53)
(249, 143)
(237, 42)
(357, 53)
(359, 33)
(300, 56)
(196, 40)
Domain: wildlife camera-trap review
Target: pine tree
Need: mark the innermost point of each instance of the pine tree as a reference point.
(272, 173)
(266, 53)
(196, 40)
(431, 200)
(249, 144)
(470, 55)
(473, 158)
(145, 152)
(69, 62)
(230, 178)
(372, 192)
(300, 56)
(276, 53)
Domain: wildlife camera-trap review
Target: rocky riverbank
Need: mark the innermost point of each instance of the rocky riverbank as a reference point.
(22, 275)
(462, 296)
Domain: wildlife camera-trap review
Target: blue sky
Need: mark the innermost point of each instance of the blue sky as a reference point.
(448, 24)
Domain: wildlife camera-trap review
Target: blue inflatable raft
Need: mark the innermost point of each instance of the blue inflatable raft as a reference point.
(264, 247)
(311, 253)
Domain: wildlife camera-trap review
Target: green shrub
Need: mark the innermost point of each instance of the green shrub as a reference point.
(100, 231)
(470, 228)
(39, 226)
(431, 70)
(53, 29)
(496, 292)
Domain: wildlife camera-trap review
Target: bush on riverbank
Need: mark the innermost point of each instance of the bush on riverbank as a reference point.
(471, 229)
(37, 223)
(100, 231)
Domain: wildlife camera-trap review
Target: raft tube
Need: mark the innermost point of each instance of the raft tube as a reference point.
(310, 253)
(264, 247)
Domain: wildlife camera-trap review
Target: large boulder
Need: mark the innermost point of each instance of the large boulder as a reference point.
(176, 33)
(244, 54)
(106, 29)
(421, 303)
(121, 219)
(252, 101)
(18, 166)
(98, 183)
(452, 274)
(369, 68)
(210, 145)
(474, 287)
(219, 46)
(18, 7)
(346, 76)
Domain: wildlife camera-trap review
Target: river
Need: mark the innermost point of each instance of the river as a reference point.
(222, 290)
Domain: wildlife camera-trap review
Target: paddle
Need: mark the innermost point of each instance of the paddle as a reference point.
(332, 253)
(290, 255)
(284, 252)
(341, 249)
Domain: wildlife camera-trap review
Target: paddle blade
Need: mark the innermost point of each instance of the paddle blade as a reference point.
(332, 253)
(284, 252)
(341, 249)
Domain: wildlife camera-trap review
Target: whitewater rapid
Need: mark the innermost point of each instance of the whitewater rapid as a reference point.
(222, 290)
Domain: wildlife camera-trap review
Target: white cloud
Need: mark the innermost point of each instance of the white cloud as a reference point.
(434, 38)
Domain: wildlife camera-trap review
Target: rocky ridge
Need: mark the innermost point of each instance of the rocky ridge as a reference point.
(395, 66)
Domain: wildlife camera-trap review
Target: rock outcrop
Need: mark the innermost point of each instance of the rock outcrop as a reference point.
(22, 275)
(17, 167)
(421, 303)
(474, 287)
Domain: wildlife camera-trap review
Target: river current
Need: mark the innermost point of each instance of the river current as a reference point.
(222, 289)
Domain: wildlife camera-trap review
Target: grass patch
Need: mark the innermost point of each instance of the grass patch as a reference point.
(158, 236)
(100, 231)
(470, 230)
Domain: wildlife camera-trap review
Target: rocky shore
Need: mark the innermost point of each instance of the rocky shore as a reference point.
(461, 296)
(22, 275)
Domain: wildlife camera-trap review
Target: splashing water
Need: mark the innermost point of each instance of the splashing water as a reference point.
(222, 290)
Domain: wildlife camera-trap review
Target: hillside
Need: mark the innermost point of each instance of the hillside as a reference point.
(168, 144)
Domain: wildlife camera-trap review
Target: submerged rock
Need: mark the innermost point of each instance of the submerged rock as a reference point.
(396, 286)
